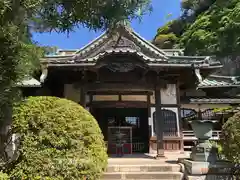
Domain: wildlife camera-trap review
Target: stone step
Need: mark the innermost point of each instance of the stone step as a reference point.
(143, 176)
(144, 168)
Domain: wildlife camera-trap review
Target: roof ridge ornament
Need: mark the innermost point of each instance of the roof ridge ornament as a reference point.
(198, 74)
(234, 79)
(124, 23)
(44, 74)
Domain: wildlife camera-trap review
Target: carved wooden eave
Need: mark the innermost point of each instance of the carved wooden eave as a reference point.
(201, 100)
(123, 41)
(172, 61)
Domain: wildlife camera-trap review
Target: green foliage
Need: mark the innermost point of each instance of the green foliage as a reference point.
(216, 31)
(19, 55)
(165, 29)
(59, 140)
(208, 27)
(4, 176)
(166, 41)
(192, 8)
(64, 15)
(218, 146)
(168, 35)
(223, 109)
(231, 138)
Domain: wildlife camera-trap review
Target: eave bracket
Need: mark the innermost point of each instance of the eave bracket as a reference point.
(44, 73)
(198, 75)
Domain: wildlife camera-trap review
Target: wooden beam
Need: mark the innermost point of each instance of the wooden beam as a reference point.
(83, 97)
(170, 105)
(149, 105)
(180, 123)
(118, 104)
(119, 87)
(111, 92)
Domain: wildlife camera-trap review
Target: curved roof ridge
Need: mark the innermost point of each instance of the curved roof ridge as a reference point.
(92, 42)
(223, 76)
(147, 42)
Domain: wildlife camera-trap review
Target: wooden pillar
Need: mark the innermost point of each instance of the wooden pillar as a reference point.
(180, 123)
(83, 97)
(159, 123)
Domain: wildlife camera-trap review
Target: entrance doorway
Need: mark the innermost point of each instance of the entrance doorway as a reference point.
(131, 122)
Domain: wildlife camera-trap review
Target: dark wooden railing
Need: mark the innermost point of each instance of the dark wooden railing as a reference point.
(189, 136)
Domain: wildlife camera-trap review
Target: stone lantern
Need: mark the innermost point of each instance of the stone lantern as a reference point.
(204, 162)
(203, 151)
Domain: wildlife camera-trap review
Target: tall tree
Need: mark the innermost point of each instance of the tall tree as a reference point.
(207, 27)
(18, 54)
(169, 35)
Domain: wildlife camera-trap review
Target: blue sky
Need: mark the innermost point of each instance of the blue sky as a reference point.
(147, 28)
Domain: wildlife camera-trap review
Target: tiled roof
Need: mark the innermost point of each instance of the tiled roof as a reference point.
(146, 43)
(184, 61)
(109, 36)
(29, 82)
(133, 44)
(215, 100)
(213, 83)
(197, 60)
(220, 81)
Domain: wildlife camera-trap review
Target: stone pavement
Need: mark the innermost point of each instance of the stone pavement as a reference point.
(170, 158)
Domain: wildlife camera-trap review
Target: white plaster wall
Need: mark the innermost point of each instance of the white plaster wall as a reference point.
(150, 120)
(71, 92)
(169, 94)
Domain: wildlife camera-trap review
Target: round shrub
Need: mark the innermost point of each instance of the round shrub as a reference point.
(231, 138)
(59, 140)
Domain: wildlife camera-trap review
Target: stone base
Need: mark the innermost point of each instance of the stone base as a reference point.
(205, 168)
(170, 144)
(204, 151)
(219, 170)
(210, 177)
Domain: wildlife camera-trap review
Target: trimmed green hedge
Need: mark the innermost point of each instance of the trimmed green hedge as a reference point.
(231, 138)
(60, 140)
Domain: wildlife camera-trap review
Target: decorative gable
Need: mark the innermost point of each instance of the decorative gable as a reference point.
(120, 40)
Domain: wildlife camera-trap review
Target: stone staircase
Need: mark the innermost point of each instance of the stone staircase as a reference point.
(160, 171)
